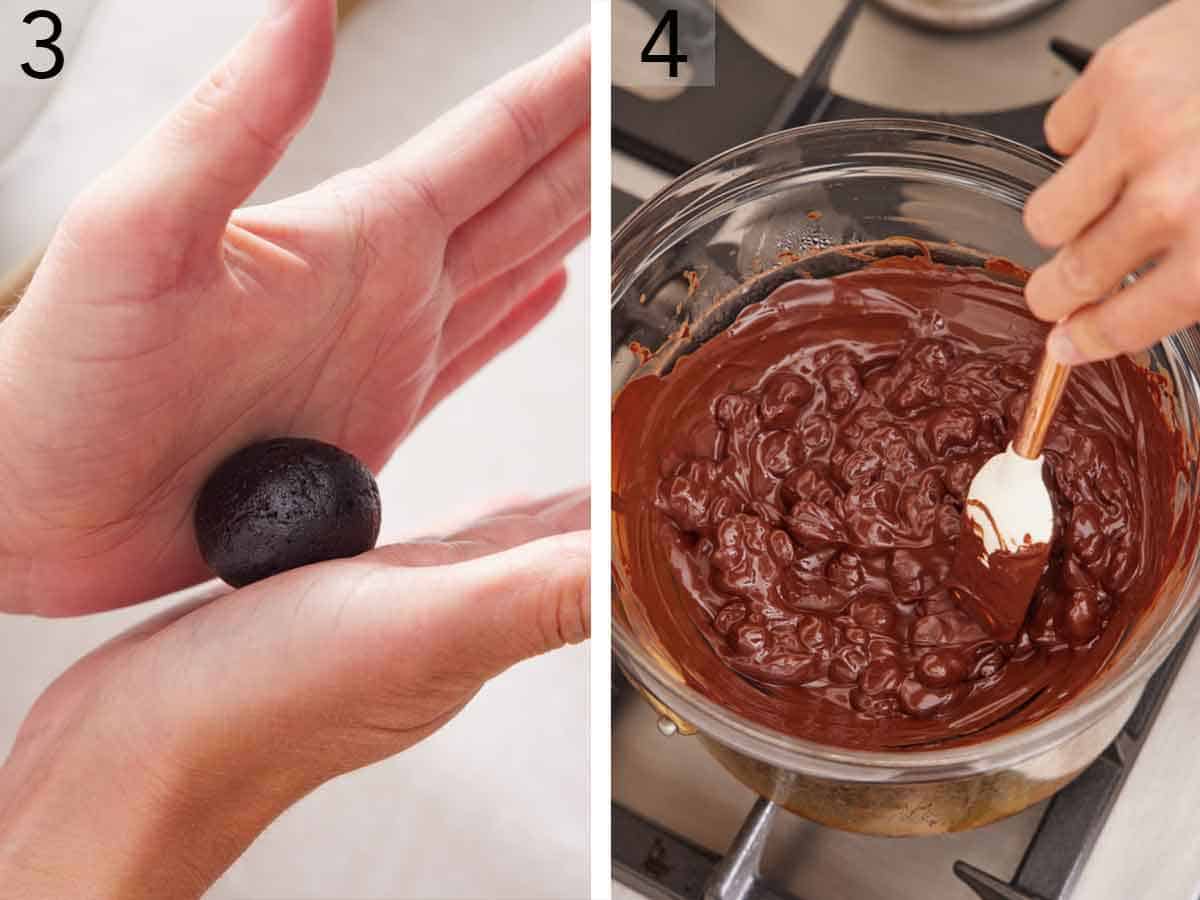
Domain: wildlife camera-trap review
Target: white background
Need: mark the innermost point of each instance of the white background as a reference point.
(494, 805)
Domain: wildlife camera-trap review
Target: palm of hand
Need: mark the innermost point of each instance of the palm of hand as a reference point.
(151, 348)
(329, 646)
(212, 718)
(302, 337)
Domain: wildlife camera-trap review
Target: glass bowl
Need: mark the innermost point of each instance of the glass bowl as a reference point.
(750, 214)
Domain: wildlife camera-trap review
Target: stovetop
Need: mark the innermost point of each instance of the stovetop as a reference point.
(782, 64)
(682, 826)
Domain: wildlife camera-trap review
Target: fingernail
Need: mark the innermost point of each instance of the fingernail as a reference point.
(1034, 289)
(1060, 346)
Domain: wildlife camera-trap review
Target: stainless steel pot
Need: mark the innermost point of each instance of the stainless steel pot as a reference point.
(750, 213)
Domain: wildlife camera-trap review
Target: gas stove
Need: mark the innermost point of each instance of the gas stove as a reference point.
(682, 826)
(780, 65)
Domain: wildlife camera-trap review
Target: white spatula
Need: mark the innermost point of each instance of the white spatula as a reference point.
(1008, 522)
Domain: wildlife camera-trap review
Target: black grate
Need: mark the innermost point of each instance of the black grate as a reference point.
(810, 99)
(767, 98)
(1073, 819)
(661, 865)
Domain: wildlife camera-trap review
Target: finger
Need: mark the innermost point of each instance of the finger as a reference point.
(479, 311)
(1058, 211)
(519, 321)
(500, 530)
(423, 629)
(517, 503)
(517, 526)
(1161, 302)
(502, 608)
(1137, 229)
(329, 667)
(460, 621)
(178, 187)
(564, 508)
(1072, 116)
(472, 155)
(544, 203)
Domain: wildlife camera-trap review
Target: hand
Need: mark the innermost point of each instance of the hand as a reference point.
(163, 331)
(1128, 196)
(149, 766)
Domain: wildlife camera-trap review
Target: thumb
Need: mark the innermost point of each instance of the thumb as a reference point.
(500, 609)
(181, 183)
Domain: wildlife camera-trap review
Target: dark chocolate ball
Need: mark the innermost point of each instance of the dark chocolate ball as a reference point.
(282, 504)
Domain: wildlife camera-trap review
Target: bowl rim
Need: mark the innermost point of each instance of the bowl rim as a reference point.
(923, 127)
(827, 760)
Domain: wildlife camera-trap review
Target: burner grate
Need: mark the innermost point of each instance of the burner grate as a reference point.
(664, 866)
(1077, 813)
(811, 100)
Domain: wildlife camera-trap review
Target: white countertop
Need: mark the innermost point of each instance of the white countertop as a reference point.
(494, 805)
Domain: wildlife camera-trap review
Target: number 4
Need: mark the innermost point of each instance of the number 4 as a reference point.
(670, 24)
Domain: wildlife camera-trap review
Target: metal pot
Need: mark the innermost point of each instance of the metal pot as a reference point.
(749, 214)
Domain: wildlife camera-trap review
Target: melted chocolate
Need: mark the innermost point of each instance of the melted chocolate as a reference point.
(995, 588)
(789, 501)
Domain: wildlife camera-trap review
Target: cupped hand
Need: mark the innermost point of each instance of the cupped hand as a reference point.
(164, 330)
(151, 764)
(1129, 195)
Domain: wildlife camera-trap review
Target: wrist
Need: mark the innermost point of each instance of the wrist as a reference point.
(67, 822)
(73, 815)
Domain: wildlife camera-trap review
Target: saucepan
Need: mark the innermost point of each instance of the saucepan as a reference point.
(801, 196)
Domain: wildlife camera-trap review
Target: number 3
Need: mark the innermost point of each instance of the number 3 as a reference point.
(46, 43)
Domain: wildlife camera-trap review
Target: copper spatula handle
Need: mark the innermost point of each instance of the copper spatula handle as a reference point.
(1047, 391)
